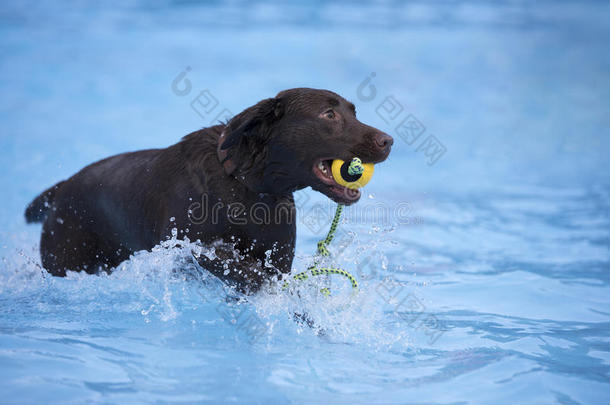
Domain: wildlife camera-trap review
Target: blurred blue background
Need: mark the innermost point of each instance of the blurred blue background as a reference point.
(513, 233)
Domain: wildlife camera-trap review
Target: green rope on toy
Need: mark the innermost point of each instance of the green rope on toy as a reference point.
(354, 168)
(322, 245)
(327, 271)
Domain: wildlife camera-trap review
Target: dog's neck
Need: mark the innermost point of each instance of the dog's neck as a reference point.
(223, 156)
(231, 169)
(229, 165)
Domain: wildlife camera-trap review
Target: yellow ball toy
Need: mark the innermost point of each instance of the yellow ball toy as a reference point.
(354, 174)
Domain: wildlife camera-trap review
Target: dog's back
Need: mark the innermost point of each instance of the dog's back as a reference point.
(102, 214)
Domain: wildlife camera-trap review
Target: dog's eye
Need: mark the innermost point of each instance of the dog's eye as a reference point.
(330, 114)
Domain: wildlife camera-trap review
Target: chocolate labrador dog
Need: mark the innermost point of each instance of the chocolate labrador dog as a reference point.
(229, 186)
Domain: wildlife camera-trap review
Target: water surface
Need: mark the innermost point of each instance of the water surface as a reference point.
(485, 279)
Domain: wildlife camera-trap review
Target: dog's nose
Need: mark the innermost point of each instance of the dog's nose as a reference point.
(383, 141)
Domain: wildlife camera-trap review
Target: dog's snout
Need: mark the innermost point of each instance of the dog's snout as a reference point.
(383, 141)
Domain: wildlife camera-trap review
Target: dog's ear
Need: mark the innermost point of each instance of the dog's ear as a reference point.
(254, 124)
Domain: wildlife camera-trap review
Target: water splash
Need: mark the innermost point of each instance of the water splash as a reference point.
(167, 284)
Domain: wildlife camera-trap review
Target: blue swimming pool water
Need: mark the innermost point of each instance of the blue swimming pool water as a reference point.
(484, 275)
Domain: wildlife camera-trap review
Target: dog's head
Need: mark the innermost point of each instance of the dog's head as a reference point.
(286, 143)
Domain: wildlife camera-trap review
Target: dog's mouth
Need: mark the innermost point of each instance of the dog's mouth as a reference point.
(329, 187)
